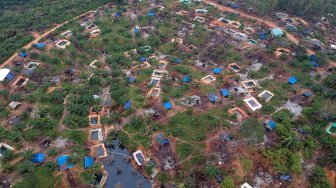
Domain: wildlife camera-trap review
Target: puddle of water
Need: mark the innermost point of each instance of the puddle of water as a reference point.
(121, 170)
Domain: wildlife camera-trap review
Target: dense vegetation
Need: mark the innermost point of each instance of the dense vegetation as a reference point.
(19, 18)
(298, 7)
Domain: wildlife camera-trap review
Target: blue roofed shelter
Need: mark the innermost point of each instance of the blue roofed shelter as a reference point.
(40, 45)
(262, 36)
(292, 80)
(186, 79)
(217, 70)
(225, 93)
(271, 125)
(212, 97)
(176, 61)
(136, 30)
(312, 57)
(23, 54)
(277, 32)
(143, 59)
(151, 14)
(162, 141)
(117, 14)
(10, 76)
(128, 104)
(167, 105)
(88, 162)
(38, 158)
(131, 79)
(62, 162)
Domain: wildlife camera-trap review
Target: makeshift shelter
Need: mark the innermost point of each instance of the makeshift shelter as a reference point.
(277, 32)
(225, 137)
(234, 6)
(62, 162)
(331, 129)
(225, 93)
(217, 70)
(271, 125)
(38, 158)
(4, 147)
(4, 73)
(176, 61)
(292, 80)
(151, 14)
(14, 104)
(212, 97)
(246, 185)
(88, 162)
(131, 79)
(128, 104)
(161, 140)
(143, 59)
(167, 105)
(40, 45)
(23, 54)
(117, 15)
(262, 36)
(186, 79)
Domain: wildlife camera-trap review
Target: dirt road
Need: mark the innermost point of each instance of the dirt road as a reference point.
(267, 22)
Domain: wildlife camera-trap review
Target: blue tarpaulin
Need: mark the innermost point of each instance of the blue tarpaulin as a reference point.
(167, 105)
(128, 104)
(234, 6)
(88, 162)
(10, 76)
(151, 13)
(62, 162)
(292, 80)
(23, 54)
(117, 15)
(136, 30)
(40, 45)
(217, 70)
(186, 79)
(307, 94)
(162, 140)
(312, 57)
(38, 158)
(315, 64)
(177, 61)
(131, 79)
(143, 59)
(262, 36)
(277, 32)
(225, 92)
(212, 97)
(271, 124)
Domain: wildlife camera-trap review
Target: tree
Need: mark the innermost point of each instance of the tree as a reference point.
(28, 154)
(211, 171)
(253, 131)
(318, 178)
(25, 166)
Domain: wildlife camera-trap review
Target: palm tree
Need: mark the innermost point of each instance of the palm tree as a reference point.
(28, 154)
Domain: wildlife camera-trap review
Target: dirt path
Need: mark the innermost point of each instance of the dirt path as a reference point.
(267, 22)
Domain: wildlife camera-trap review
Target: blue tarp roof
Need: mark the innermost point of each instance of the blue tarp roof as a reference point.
(136, 30)
(277, 32)
(143, 59)
(167, 105)
(40, 45)
(177, 60)
(62, 162)
(315, 64)
(117, 15)
(234, 6)
(212, 97)
(292, 80)
(312, 57)
(10, 76)
(271, 124)
(38, 158)
(151, 13)
(262, 36)
(186, 79)
(131, 79)
(88, 162)
(217, 70)
(23, 54)
(291, 28)
(128, 104)
(225, 92)
(162, 140)
(307, 94)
